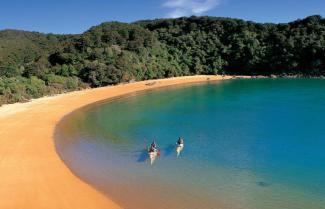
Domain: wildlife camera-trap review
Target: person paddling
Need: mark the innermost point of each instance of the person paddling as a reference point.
(180, 146)
(153, 146)
(180, 141)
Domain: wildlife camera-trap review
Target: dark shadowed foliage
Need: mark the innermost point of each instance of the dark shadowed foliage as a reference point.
(35, 64)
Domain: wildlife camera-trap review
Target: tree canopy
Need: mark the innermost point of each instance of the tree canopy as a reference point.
(35, 64)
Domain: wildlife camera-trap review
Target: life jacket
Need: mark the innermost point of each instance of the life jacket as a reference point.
(153, 145)
(152, 149)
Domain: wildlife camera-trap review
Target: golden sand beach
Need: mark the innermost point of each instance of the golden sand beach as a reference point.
(31, 173)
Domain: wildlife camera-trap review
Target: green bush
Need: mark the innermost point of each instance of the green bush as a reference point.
(36, 87)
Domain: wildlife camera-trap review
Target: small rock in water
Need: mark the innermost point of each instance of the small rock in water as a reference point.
(263, 184)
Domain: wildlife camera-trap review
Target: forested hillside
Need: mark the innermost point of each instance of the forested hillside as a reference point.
(34, 64)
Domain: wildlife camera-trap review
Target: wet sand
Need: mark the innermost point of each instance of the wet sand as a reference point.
(32, 174)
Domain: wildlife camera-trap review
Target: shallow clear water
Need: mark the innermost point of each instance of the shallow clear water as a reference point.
(251, 144)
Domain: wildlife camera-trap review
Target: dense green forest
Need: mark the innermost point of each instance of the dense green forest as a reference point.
(35, 64)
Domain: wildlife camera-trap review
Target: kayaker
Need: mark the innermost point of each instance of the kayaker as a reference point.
(180, 141)
(153, 147)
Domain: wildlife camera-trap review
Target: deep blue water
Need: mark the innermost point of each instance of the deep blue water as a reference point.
(251, 144)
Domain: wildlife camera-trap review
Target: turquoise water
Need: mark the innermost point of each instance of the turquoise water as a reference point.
(250, 144)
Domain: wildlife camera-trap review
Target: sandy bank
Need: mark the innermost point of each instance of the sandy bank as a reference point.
(31, 173)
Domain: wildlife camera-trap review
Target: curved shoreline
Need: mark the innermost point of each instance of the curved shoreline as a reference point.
(32, 174)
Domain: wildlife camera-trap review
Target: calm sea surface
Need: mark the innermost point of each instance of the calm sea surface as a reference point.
(249, 144)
